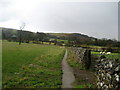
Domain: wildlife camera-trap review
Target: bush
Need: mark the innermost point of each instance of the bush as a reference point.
(109, 49)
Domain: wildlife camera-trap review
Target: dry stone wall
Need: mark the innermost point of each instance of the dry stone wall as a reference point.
(107, 71)
(108, 74)
(83, 56)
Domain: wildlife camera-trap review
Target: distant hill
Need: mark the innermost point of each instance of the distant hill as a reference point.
(65, 36)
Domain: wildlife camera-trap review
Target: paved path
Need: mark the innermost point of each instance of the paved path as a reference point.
(68, 76)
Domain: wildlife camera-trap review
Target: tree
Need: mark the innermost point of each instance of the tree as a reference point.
(20, 36)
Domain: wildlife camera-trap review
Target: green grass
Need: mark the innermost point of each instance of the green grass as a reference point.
(98, 47)
(93, 46)
(31, 65)
(111, 56)
(85, 86)
(72, 60)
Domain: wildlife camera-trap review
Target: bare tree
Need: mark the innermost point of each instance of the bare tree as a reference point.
(20, 36)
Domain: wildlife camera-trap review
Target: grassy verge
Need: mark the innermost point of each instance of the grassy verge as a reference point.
(72, 60)
(81, 75)
(31, 65)
(85, 86)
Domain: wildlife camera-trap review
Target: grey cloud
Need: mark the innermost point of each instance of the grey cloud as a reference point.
(4, 3)
(6, 12)
(87, 18)
(98, 19)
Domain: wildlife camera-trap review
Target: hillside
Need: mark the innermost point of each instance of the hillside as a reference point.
(69, 39)
(67, 35)
(10, 32)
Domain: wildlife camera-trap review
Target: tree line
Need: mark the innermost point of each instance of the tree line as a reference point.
(73, 39)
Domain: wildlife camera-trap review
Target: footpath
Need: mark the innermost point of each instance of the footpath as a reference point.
(68, 77)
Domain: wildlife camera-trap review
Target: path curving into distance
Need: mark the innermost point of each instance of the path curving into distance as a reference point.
(68, 77)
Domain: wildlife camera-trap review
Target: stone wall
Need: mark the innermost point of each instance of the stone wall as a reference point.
(107, 71)
(83, 56)
(108, 74)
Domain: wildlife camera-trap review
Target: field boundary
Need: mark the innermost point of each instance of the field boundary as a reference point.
(108, 74)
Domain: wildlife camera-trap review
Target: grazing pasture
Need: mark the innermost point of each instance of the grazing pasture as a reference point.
(31, 65)
(110, 56)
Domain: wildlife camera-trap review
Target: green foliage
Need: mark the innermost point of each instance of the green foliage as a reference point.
(31, 65)
(109, 49)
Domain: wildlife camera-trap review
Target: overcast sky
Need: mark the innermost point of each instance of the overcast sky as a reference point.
(93, 18)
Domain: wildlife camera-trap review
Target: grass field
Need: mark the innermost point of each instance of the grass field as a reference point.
(31, 65)
(111, 56)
